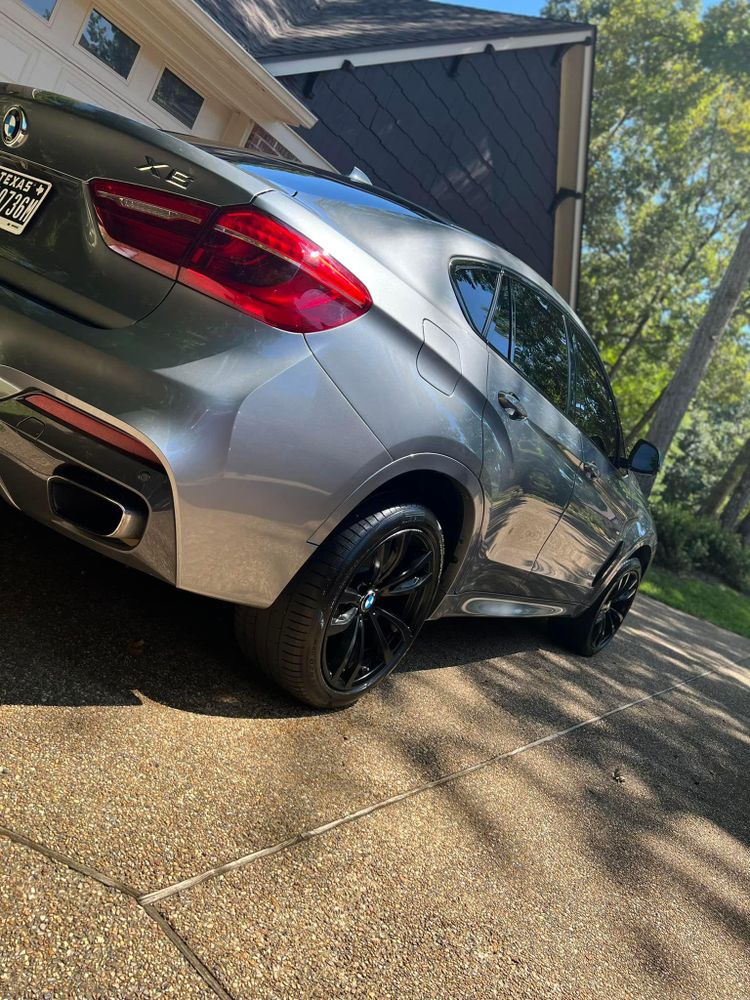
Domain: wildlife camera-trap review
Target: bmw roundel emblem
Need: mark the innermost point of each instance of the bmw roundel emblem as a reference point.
(15, 126)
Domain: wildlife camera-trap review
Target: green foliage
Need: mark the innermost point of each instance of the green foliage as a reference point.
(725, 44)
(668, 193)
(711, 601)
(690, 542)
(709, 439)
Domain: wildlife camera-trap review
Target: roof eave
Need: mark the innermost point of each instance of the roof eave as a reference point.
(291, 65)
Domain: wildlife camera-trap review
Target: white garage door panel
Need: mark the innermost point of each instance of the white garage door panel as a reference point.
(48, 55)
(16, 53)
(84, 88)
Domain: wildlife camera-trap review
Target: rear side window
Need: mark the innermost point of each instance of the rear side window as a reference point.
(475, 287)
(498, 332)
(594, 411)
(540, 344)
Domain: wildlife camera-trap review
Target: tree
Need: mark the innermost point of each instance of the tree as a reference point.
(744, 529)
(682, 387)
(668, 192)
(738, 501)
(724, 486)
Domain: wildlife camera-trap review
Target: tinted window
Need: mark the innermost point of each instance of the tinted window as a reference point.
(105, 40)
(594, 411)
(475, 287)
(181, 101)
(498, 332)
(540, 347)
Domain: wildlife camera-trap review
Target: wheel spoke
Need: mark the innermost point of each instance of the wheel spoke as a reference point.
(401, 627)
(612, 622)
(393, 555)
(617, 616)
(381, 638)
(359, 669)
(355, 645)
(598, 630)
(409, 579)
(342, 622)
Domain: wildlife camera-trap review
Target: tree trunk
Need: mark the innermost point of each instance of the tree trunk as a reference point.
(737, 502)
(744, 529)
(721, 490)
(638, 428)
(681, 390)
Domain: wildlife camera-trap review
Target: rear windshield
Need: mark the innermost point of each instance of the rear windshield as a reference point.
(322, 187)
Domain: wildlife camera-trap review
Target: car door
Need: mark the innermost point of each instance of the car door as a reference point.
(530, 446)
(590, 535)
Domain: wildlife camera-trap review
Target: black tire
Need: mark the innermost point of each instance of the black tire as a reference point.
(335, 611)
(593, 631)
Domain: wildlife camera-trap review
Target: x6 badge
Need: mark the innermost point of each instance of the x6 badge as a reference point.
(177, 178)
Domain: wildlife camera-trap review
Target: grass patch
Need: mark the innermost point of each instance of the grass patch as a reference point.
(712, 601)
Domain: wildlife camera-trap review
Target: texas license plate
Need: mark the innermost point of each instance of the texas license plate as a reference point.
(20, 198)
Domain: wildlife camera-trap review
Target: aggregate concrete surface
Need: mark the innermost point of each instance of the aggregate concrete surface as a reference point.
(171, 825)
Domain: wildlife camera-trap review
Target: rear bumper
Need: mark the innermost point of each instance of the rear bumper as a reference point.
(247, 425)
(65, 479)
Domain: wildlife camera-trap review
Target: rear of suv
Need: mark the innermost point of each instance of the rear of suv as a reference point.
(283, 389)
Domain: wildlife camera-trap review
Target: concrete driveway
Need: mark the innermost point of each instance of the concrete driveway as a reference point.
(499, 820)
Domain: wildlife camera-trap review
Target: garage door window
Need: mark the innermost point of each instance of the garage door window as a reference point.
(105, 40)
(181, 101)
(43, 8)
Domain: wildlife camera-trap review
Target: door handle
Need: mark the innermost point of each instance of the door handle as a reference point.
(590, 470)
(512, 404)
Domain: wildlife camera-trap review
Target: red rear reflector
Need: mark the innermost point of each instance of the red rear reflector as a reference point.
(95, 428)
(154, 228)
(239, 256)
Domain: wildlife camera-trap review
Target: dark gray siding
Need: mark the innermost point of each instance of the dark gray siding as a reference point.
(476, 142)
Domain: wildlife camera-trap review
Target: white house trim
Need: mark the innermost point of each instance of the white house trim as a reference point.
(289, 66)
(199, 47)
(572, 152)
(583, 145)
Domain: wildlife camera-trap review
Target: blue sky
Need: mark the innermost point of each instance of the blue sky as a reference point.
(507, 6)
(532, 7)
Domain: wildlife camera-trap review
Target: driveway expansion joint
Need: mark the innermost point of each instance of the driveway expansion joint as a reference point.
(150, 898)
(187, 953)
(166, 928)
(64, 859)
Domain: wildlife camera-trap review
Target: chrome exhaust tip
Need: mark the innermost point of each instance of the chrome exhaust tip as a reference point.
(116, 515)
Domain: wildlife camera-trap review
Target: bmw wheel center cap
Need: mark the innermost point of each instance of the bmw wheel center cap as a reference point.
(368, 600)
(15, 126)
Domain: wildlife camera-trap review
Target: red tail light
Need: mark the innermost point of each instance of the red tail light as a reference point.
(239, 256)
(72, 417)
(154, 228)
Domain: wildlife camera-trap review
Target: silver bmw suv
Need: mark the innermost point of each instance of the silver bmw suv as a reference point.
(297, 393)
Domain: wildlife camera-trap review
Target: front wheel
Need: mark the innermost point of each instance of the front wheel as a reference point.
(351, 614)
(596, 628)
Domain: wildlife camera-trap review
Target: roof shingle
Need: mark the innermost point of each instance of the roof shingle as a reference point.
(278, 28)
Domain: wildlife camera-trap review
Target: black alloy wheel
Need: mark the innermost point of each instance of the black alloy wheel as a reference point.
(592, 631)
(614, 608)
(353, 611)
(379, 610)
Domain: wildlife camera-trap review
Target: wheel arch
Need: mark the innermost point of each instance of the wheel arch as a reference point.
(644, 554)
(444, 485)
